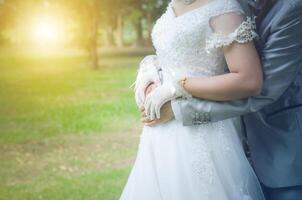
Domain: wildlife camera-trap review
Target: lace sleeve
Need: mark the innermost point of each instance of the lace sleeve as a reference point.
(243, 34)
(229, 28)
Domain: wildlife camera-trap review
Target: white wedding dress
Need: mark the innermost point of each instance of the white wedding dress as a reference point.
(201, 162)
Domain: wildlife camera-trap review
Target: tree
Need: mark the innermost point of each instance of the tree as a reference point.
(93, 15)
(87, 14)
(152, 9)
(8, 16)
(90, 19)
(145, 13)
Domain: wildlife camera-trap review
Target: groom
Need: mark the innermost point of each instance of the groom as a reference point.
(273, 120)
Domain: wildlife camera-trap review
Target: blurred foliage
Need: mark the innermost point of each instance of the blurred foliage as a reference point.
(88, 24)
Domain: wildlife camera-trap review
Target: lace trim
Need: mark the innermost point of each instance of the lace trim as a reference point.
(243, 34)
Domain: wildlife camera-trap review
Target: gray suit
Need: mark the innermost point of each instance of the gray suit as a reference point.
(273, 119)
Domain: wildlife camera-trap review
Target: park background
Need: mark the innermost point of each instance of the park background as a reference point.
(69, 125)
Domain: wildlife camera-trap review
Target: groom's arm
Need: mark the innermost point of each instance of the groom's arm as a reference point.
(281, 61)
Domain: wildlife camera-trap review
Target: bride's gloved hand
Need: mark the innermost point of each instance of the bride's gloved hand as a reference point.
(148, 73)
(159, 96)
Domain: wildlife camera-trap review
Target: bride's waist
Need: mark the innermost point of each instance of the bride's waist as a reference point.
(177, 125)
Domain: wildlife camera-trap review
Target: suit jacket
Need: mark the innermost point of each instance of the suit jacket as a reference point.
(273, 120)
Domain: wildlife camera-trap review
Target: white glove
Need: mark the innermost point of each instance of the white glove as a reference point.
(148, 72)
(159, 96)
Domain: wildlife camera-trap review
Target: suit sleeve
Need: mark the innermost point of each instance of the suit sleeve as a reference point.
(281, 61)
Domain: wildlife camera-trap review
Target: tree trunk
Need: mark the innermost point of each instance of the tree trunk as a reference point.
(119, 37)
(94, 44)
(149, 28)
(94, 57)
(109, 36)
(139, 32)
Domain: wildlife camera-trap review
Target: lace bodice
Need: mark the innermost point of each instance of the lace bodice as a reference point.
(188, 45)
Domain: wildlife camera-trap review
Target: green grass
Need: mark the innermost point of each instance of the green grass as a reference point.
(66, 131)
(50, 96)
(98, 185)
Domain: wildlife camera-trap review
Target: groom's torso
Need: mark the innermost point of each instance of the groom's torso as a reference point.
(275, 132)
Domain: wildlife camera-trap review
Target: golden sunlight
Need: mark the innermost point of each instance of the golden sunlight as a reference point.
(46, 30)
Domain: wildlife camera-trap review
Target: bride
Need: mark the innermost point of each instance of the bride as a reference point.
(204, 49)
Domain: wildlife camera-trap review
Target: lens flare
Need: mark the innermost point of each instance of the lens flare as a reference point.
(46, 31)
